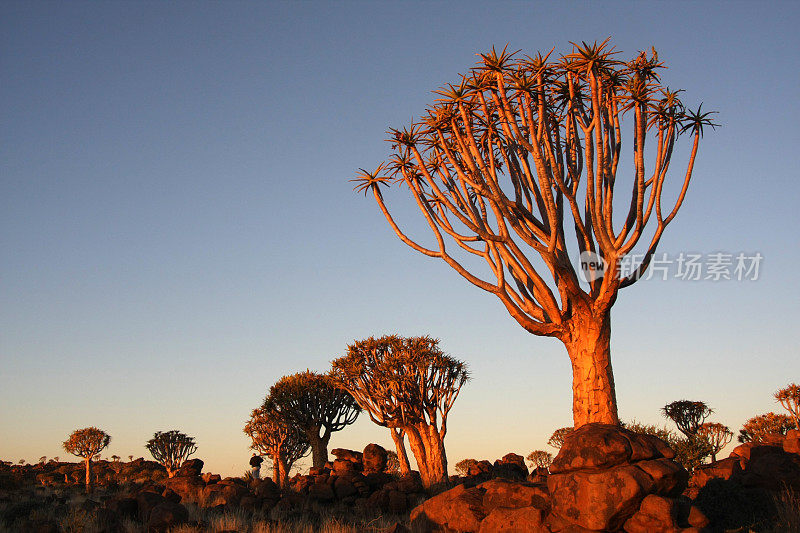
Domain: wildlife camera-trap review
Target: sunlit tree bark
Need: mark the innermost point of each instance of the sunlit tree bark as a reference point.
(519, 150)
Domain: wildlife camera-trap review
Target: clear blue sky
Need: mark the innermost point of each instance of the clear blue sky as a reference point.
(177, 229)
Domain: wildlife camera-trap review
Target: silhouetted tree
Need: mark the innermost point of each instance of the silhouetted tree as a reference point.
(540, 459)
(275, 437)
(115, 458)
(314, 404)
(717, 435)
(87, 443)
(171, 449)
(556, 440)
(761, 427)
(409, 384)
(496, 167)
(687, 415)
(462, 467)
(789, 398)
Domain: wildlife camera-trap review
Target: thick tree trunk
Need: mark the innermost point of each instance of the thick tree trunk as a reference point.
(319, 447)
(283, 473)
(588, 341)
(428, 450)
(400, 446)
(88, 474)
(276, 472)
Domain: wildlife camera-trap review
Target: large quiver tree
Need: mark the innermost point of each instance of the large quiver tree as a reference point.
(522, 148)
(408, 384)
(314, 404)
(171, 449)
(273, 436)
(87, 443)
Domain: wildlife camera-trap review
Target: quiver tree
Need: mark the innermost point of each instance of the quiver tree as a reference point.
(687, 415)
(399, 438)
(273, 436)
(171, 449)
(540, 459)
(462, 467)
(789, 398)
(760, 428)
(717, 435)
(556, 440)
(87, 443)
(520, 149)
(408, 384)
(316, 406)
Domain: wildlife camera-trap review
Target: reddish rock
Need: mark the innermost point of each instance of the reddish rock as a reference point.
(124, 507)
(344, 488)
(189, 488)
(192, 467)
(655, 515)
(342, 454)
(752, 450)
(511, 466)
(167, 515)
(772, 471)
(321, 492)
(697, 518)
(791, 443)
(517, 520)
(209, 479)
(374, 458)
(398, 502)
(600, 500)
(342, 467)
(503, 493)
(458, 509)
(669, 478)
(266, 488)
(722, 469)
(227, 494)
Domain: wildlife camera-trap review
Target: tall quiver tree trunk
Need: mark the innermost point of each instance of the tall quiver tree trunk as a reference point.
(398, 436)
(276, 472)
(319, 446)
(89, 474)
(588, 342)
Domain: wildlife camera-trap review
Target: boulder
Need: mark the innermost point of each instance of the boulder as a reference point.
(125, 507)
(603, 472)
(374, 458)
(146, 501)
(342, 454)
(514, 520)
(655, 515)
(321, 492)
(342, 467)
(511, 466)
(189, 488)
(268, 489)
(344, 488)
(459, 509)
(504, 493)
(166, 516)
(192, 467)
(722, 469)
(791, 443)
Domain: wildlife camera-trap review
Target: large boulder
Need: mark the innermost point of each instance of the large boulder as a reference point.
(166, 516)
(189, 488)
(514, 520)
(458, 509)
(374, 459)
(511, 466)
(504, 493)
(342, 454)
(192, 467)
(603, 472)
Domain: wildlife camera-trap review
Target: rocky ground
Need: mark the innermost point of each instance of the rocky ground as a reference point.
(603, 479)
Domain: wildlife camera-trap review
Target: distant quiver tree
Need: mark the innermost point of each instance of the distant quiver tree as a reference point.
(717, 435)
(789, 398)
(316, 406)
(687, 415)
(760, 428)
(273, 436)
(540, 459)
(556, 440)
(409, 384)
(522, 149)
(87, 443)
(171, 449)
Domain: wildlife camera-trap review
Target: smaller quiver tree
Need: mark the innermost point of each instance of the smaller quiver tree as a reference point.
(314, 404)
(273, 436)
(540, 459)
(87, 443)
(687, 415)
(556, 440)
(789, 398)
(409, 384)
(462, 467)
(760, 428)
(717, 435)
(171, 449)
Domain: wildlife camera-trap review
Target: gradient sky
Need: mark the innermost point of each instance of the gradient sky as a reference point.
(177, 229)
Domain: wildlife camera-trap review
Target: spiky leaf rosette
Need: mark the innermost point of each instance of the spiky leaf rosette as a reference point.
(171, 448)
(275, 437)
(789, 398)
(687, 415)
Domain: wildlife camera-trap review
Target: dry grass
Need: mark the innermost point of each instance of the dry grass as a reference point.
(787, 507)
